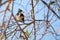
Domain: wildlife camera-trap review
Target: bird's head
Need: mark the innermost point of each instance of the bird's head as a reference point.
(20, 12)
(20, 15)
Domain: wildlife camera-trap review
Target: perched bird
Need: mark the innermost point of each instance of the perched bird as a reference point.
(20, 16)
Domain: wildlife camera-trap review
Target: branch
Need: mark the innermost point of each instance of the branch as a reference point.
(50, 8)
(33, 17)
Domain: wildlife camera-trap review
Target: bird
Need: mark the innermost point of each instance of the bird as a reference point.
(20, 16)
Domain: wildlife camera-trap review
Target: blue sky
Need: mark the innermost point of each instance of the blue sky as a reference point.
(26, 7)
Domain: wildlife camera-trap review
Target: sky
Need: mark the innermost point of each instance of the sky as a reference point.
(39, 15)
